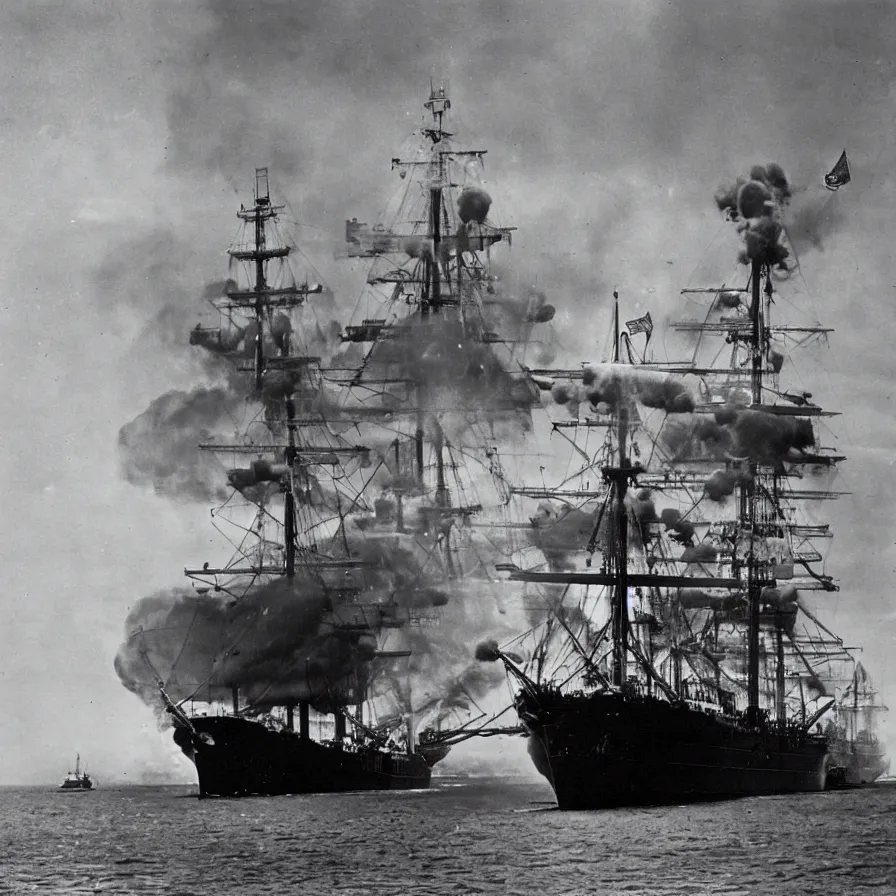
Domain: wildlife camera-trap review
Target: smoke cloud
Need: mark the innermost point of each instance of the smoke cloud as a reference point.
(159, 448)
(756, 204)
(607, 387)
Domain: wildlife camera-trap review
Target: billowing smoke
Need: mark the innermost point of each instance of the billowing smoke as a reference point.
(473, 205)
(769, 438)
(487, 651)
(738, 436)
(533, 310)
(289, 640)
(607, 387)
(722, 483)
(272, 642)
(756, 204)
(558, 531)
(158, 449)
(460, 374)
(682, 531)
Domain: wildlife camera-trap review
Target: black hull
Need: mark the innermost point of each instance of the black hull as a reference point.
(238, 757)
(605, 751)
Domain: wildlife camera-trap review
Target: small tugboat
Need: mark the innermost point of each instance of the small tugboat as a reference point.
(77, 780)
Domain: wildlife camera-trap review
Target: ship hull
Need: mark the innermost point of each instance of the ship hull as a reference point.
(239, 757)
(605, 751)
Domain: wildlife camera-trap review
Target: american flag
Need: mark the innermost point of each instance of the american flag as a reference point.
(640, 325)
(839, 174)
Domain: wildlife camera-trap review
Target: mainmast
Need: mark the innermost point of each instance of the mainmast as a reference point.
(749, 504)
(618, 477)
(262, 299)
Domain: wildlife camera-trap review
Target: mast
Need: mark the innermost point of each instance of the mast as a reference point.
(261, 210)
(620, 477)
(749, 504)
(780, 707)
(438, 104)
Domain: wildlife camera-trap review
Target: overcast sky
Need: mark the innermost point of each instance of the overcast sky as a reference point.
(130, 132)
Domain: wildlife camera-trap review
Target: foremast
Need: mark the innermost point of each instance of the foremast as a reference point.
(421, 352)
(288, 387)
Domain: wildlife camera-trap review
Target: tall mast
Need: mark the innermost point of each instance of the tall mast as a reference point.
(749, 504)
(261, 211)
(619, 477)
(438, 104)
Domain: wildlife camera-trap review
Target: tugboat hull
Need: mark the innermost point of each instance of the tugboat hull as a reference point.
(239, 757)
(604, 751)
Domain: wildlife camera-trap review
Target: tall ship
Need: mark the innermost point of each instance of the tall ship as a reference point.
(858, 757)
(77, 780)
(330, 652)
(684, 657)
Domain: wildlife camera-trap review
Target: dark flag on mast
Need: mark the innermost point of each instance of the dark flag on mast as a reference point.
(640, 325)
(839, 174)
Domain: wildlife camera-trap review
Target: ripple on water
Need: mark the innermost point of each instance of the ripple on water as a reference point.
(484, 837)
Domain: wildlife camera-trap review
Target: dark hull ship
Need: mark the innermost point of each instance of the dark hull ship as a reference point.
(368, 541)
(610, 750)
(683, 683)
(238, 757)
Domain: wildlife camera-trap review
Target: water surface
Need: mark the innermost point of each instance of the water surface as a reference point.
(468, 836)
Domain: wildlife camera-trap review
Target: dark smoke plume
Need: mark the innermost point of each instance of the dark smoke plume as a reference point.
(737, 436)
(756, 204)
(487, 651)
(615, 386)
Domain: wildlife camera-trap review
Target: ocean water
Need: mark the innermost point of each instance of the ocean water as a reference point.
(464, 836)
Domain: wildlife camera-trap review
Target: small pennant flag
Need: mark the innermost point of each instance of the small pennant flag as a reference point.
(640, 325)
(839, 174)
